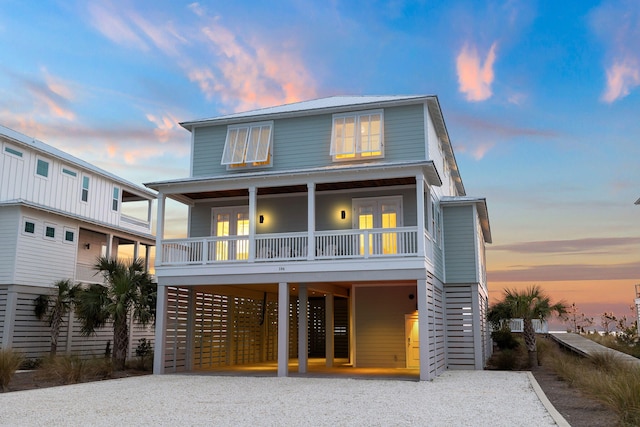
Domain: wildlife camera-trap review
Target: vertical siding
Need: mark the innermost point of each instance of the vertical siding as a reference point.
(459, 244)
(9, 229)
(380, 325)
(19, 181)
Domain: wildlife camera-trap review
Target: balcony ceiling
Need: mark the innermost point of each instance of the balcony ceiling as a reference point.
(302, 188)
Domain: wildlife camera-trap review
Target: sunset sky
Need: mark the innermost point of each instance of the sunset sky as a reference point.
(541, 100)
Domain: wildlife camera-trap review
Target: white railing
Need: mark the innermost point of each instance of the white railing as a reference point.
(517, 325)
(371, 243)
(135, 224)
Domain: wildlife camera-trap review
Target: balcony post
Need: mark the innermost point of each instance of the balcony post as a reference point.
(160, 229)
(311, 220)
(420, 214)
(253, 216)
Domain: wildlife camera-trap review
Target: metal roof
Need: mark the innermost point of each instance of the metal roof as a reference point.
(18, 138)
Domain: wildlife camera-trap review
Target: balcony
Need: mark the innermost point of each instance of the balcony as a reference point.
(135, 224)
(292, 247)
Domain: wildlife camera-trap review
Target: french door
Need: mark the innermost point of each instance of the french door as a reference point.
(377, 214)
(230, 225)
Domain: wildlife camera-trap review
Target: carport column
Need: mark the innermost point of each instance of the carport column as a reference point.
(191, 324)
(328, 329)
(283, 329)
(423, 329)
(303, 329)
(161, 331)
(311, 220)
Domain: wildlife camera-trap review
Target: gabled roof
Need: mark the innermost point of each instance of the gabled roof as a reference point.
(18, 138)
(481, 205)
(335, 104)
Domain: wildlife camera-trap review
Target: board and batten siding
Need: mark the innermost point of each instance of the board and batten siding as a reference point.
(305, 142)
(460, 244)
(58, 190)
(380, 325)
(9, 229)
(41, 261)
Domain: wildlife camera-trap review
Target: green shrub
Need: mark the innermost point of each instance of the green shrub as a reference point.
(144, 353)
(10, 361)
(504, 339)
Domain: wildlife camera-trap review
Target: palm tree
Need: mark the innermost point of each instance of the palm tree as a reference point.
(531, 303)
(55, 307)
(128, 290)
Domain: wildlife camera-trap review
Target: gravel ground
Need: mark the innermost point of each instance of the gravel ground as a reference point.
(456, 398)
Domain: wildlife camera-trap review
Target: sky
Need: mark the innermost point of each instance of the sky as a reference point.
(541, 100)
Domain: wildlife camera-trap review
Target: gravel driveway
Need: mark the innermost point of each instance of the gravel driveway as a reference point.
(456, 398)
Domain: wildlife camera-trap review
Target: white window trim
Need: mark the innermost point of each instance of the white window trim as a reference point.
(247, 162)
(24, 223)
(357, 148)
(44, 231)
(82, 188)
(48, 162)
(116, 200)
(11, 147)
(68, 174)
(64, 235)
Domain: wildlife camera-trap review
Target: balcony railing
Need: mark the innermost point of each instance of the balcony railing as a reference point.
(135, 224)
(337, 244)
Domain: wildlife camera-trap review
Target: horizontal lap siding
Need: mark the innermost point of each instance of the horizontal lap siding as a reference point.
(54, 258)
(459, 327)
(404, 133)
(459, 244)
(305, 142)
(9, 229)
(380, 325)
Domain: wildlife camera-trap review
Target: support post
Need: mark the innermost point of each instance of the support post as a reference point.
(191, 324)
(311, 220)
(421, 214)
(283, 329)
(329, 330)
(423, 329)
(253, 219)
(160, 229)
(161, 331)
(303, 330)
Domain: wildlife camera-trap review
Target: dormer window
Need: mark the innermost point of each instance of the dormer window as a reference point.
(248, 145)
(357, 136)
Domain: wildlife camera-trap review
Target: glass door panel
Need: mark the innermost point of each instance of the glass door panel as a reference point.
(231, 223)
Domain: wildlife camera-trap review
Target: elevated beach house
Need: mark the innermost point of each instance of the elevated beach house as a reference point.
(335, 229)
(58, 214)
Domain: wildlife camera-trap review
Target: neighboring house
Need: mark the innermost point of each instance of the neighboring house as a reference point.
(58, 214)
(336, 228)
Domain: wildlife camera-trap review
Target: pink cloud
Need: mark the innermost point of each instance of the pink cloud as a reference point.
(114, 27)
(475, 78)
(166, 126)
(622, 76)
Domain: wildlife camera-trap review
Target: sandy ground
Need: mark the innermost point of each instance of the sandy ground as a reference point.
(456, 398)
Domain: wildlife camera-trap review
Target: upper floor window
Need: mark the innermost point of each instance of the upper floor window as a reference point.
(85, 189)
(116, 198)
(12, 151)
(248, 145)
(29, 227)
(49, 231)
(69, 172)
(42, 168)
(357, 135)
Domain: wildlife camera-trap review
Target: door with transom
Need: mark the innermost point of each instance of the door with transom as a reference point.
(378, 213)
(229, 226)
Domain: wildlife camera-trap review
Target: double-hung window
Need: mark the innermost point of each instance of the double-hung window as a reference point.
(357, 135)
(248, 145)
(116, 199)
(84, 194)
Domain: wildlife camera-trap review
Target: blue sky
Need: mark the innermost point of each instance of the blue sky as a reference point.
(541, 101)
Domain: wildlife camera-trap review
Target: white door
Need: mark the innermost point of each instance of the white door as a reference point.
(230, 224)
(412, 340)
(378, 213)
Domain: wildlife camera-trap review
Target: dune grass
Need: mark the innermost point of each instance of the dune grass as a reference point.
(605, 377)
(10, 361)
